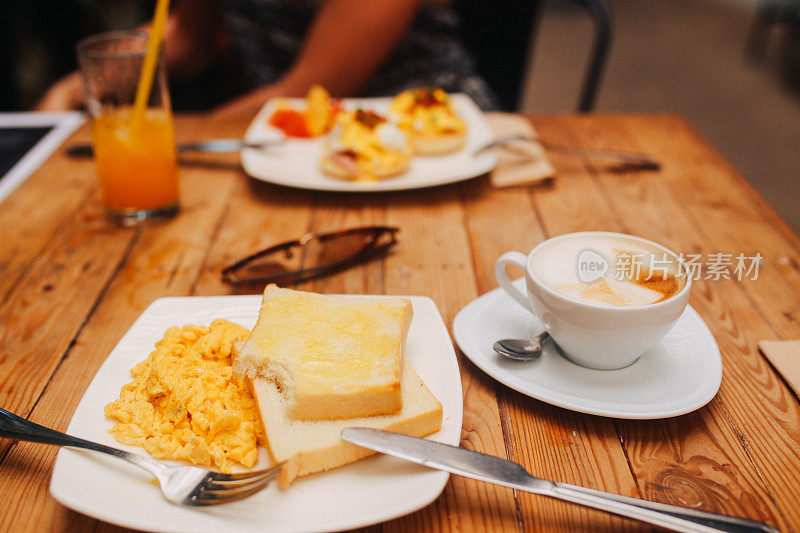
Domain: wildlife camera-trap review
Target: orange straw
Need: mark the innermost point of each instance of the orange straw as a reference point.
(150, 60)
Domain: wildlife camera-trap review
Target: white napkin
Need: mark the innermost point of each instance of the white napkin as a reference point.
(785, 357)
(524, 163)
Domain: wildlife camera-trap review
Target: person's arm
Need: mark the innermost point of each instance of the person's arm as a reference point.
(64, 95)
(191, 37)
(189, 47)
(347, 42)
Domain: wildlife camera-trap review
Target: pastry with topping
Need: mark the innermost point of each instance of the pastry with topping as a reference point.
(429, 119)
(364, 146)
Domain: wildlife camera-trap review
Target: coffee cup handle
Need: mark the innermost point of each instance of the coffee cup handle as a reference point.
(521, 261)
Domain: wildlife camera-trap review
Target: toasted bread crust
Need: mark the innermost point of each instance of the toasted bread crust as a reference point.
(306, 447)
(344, 453)
(376, 400)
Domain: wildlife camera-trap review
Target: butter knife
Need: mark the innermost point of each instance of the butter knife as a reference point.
(509, 474)
(214, 145)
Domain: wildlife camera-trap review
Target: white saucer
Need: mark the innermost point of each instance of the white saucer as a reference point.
(680, 375)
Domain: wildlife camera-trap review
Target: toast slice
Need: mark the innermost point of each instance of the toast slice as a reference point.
(331, 356)
(309, 446)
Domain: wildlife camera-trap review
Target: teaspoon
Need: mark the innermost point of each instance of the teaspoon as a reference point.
(521, 349)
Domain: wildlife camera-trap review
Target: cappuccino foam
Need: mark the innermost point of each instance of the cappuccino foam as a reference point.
(608, 270)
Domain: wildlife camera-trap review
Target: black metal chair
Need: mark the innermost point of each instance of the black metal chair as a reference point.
(500, 34)
(786, 15)
(769, 13)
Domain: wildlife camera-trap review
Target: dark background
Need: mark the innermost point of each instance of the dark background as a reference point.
(736, 80)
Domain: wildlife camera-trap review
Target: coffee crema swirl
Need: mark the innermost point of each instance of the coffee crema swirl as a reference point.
(667, 286)
(627, 271)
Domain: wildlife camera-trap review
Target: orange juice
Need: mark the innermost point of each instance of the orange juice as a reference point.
(136, 160)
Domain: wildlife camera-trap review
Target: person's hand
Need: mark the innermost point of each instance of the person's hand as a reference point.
(64, 95)
(249, 104)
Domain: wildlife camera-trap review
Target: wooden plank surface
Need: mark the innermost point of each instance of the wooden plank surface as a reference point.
(72, 285)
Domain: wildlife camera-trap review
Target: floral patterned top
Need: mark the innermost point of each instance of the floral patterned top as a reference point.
(268, 34)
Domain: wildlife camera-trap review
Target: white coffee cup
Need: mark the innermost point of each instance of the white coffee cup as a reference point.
(597, 321)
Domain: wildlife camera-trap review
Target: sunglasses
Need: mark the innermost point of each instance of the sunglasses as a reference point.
(311, 256)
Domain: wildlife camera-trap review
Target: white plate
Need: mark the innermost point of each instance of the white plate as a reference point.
(295, 162)
(372, 490)
(680, 375)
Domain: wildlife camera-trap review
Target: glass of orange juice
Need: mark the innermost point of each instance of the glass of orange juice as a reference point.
(134, 152)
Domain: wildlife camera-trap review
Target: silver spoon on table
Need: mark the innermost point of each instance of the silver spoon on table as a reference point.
(521, 349)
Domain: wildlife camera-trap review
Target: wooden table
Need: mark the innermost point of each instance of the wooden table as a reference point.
(72, 284)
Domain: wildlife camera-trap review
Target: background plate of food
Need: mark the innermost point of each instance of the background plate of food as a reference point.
(370, 144)
(371, 490)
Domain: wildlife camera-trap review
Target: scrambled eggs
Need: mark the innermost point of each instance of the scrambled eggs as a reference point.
(364, 146)
(426, 111)
(186, 404)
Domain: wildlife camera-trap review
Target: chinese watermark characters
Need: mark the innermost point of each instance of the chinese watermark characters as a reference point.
(714, 266)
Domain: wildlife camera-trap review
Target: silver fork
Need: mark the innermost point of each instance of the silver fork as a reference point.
(629, 158)
(182, 485)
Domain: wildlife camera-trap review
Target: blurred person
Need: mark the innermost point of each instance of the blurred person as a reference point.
(350, 47)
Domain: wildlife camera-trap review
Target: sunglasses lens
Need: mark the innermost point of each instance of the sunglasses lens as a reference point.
(312, 257)
(276, 264)
(338, 248)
